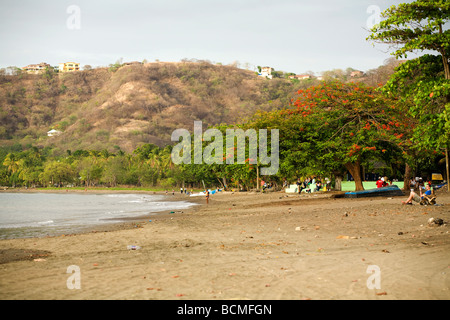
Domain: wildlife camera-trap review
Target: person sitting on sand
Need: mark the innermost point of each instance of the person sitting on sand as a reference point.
(417, 198)
(318, 186)
(381, 183)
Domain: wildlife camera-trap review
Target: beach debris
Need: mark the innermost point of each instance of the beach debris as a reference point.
(400, 233)
(133, 247)
(342, 237)
(435, 221)
(39, 260)
(381, 293)
(385, 251)
(297, 229)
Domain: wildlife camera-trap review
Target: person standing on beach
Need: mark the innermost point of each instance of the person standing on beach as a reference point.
(207, 196)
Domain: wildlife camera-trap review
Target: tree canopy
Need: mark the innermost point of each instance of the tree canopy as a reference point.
(425, 81)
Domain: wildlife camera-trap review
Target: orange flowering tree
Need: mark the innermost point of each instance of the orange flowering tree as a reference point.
(349, 123)
(338, 125)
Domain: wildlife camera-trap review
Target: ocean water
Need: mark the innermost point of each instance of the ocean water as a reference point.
(25, 215)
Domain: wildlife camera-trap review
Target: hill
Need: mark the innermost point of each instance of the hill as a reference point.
(124, 107)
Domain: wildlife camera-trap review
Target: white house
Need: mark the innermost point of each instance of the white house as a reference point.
(266, 72)
(53, 133)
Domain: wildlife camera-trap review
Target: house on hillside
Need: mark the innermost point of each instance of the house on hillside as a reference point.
(132, 63)
(36, 68)
(69, 66)
(356, 74)
(266, 72)
(301, 77)
(53, 133)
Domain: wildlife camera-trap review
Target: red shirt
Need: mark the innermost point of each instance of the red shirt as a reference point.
(380, 183)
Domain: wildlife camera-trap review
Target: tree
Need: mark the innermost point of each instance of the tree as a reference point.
(57, 172)
(337, 125)
(114, 171)
(12, 162)
(420, 26)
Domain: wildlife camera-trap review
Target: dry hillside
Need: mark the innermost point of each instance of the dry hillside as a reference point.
(107, 108)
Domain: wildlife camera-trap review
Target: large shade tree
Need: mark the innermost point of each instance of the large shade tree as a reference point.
(338, 125)
(421, 25)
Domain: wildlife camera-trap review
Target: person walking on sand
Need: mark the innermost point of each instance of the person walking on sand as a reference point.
(207, 196)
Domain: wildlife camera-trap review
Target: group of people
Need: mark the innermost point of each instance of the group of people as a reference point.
(381, 182)
(308, 184)
(417, 183)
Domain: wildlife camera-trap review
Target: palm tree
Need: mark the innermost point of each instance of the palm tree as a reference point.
(12, 162)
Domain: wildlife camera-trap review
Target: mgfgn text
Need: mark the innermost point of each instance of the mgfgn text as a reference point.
(213, 153)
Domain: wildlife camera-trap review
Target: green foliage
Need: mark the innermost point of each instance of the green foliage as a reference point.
(337, 125)
(426, 80)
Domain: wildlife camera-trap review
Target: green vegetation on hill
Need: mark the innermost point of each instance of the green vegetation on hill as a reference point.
(123, 108)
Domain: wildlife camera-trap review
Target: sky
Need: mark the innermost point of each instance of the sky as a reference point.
(288, 35)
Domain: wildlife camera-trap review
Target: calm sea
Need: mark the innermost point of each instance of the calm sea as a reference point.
(25, 215)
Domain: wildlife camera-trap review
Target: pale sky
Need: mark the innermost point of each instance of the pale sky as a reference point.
(288, 35)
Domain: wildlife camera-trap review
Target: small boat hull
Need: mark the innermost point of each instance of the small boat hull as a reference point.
(389, 191)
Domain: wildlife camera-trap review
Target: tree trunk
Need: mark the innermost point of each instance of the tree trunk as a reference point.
(337, 182)
(447, 76)
(222, 183)
(407, 177)
(355, 170)
(447, 169)
(257, 177)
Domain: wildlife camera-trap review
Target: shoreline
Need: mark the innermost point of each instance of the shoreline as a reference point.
(271, 246)
(115, 224)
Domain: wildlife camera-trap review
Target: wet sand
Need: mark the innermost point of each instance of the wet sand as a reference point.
(272, 246)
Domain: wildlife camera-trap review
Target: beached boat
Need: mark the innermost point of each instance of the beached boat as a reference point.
(388, 191)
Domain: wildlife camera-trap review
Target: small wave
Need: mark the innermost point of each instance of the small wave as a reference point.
(45, 222)
(134, 201)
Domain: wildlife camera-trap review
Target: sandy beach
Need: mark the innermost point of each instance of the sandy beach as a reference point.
(271, 246)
